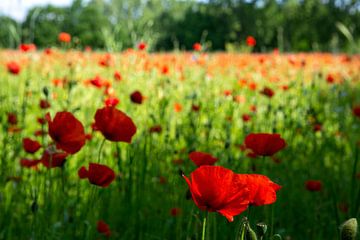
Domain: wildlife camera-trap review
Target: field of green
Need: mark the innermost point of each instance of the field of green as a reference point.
(180, 102)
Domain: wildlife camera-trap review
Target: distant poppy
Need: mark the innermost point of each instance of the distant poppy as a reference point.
(13, 68)
(111, 101)
(41, 120)
(27, 47)
(67, 132)
(28, 163)
(177, 107)
(106, 60)
(155, 129)
(31, 146)
(98, 174)
(115, 125)
(12, 118)
(142, 46)
(197, 47)
(268, 92)
(246, 117)
(44, 104)
(165, 70)
(250, 41)
(117, 76)
(175, 212)
(356, 111)
(48, 51)
(201, 158)
(330, 78)
(217, 189)
(64, 37)
(313, 185)
(52, 158)
(103, 228)
(262, 189)
(317, 127)
(136, 97)
(195, 108)
(264, 144)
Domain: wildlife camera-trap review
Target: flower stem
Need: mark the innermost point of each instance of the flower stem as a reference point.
(100, 150)
(204, 227)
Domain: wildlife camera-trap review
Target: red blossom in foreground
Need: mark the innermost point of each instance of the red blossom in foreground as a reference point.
(250, 41)
(356, 111)
(197, 47)
(67, 132)
(201, 158)
(313, 185)
(136, 97)
(30, 145)
(264, 144)
(98, 174)
(103, 228)
(64, 37)
(217, 189)
(115, 125)
(13, 68)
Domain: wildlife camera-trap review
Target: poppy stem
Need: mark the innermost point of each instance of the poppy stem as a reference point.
(100, 150)
(204, 227)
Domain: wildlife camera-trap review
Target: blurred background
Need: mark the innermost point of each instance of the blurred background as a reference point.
(165, 25)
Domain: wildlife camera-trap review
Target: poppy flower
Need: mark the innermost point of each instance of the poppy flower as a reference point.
(136, 97)
(27, 47)
(197, 47)
(30, 145)
(217, 189)
(201, 158)
(115, 125)
(64, 37)
(28, 163)
(195, 108)
(175, 212)
(250, 41)
(44, 104)
(177, 107)
(330, 79)
(165, 70)
(262, 189)
(98, 174)
(12, 118)
(155, 129)
(317, 127)
(246, 117)
(13, 68)
(117, 76)
(106, 60)
(264, 144)
(111, 101)
(103, 228)
(142, 46)
(313, 185)
(356, 111)
(67, 132)
(268, 92)
(52, 158)
(48, 51)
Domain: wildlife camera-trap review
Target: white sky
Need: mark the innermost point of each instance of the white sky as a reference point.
(17, 9)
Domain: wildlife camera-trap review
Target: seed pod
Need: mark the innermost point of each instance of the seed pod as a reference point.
(261, 229)
(348, 229)
(250, 234)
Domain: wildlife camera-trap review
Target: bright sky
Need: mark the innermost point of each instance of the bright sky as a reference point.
(17, 9)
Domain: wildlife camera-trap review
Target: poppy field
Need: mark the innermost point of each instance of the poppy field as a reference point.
(181, 145)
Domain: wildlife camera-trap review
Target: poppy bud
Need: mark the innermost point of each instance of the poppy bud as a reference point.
(348, 229)
(46, 91)
(250, 234)
(261, 229)
(276, 237)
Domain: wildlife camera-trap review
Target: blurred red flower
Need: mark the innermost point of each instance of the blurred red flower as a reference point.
(115, 125)
(136, 97)
(64, 37)
(246, 117)
(31, 146)
(13, 68)
(197, 47)
(155, 129)
(142, 46)
(217, 189)
(52, 158)
(98, 174)
(67, 132)
(250, 41)
(177, 107)
(313, 185)
(201, 158)
(356, 111)
(175, 212)
(103, 228)
(111, 101)
(12, 118)
(44, 104)
(28, 163)
(27, 47)
(117, 76)
(268, 92)
(264, 144)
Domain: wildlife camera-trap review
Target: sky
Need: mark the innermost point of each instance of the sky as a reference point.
(17, 9)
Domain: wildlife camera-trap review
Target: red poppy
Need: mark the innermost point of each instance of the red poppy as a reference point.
(64, 37)
(103, 228)
(48, 51)
(98, 174)
(44, 104)
(217, 189)
(330, 79)
(177, 107)
(67, 132)
(155, 129)
(197, 47)
(201, 158)
(52, 158)
(97, 81)
(264, 144)
(12, 118)
(136, 97)
(175, 212)
(28, 163)
(246, 117)
(111, 101)
(30, 145)
(268, 92)
(41, 120)
(26, 47)
(106, 60)
(250, 41)
(142, 46)
(317, 127)
(117, 76)
(356, 111)
(195, 108)
(262, 189)
(13, 68)
(313, 185)
(115, 125)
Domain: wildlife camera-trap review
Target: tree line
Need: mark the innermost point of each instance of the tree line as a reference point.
(289, 25)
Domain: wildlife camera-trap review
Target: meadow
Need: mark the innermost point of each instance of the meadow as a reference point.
(57, 116)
